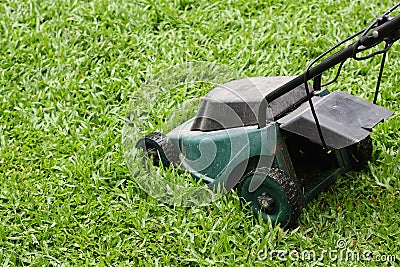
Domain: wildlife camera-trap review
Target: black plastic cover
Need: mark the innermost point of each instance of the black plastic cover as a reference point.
(345, 119)
(242, 103)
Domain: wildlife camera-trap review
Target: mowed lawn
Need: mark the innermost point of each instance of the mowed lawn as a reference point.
(67, 72)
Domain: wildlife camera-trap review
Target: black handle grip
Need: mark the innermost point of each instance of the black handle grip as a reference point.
(386, 30)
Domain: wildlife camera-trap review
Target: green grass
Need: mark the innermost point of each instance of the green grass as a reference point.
(67, 72)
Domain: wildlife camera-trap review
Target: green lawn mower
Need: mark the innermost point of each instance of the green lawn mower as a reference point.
(279, 141)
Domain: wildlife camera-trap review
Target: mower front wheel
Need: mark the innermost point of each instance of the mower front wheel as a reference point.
(157, 147)
(278, 198)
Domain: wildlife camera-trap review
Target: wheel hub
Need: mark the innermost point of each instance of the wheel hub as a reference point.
(266, 202)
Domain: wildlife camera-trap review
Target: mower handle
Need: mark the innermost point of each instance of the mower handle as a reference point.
(388, 32)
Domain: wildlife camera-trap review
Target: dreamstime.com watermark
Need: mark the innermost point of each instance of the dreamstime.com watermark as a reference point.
(341, 253)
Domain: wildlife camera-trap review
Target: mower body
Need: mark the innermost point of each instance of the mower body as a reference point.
(236, 131)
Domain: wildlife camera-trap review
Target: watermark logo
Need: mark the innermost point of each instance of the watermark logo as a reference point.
(159, 131)
(340, 253)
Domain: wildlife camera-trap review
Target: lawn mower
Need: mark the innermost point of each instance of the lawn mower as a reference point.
(319, 135)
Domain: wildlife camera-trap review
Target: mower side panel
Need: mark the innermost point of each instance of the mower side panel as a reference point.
(215, 155)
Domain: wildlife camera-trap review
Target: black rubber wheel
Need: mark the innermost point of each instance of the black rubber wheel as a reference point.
(360, 154)
(159, 148)
(278, 198)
